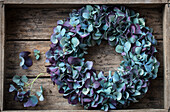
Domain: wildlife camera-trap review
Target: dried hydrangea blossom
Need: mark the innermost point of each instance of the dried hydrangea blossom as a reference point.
(78, 80)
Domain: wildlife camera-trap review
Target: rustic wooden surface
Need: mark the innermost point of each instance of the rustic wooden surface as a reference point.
(105, 58)
(1, 54)
(55, 101)
(31, 28)
(29, 25)
(84, 2)
(127, 110)
(166, 34)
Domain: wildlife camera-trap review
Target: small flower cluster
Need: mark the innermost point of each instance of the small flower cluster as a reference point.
(26, 60)
(78, 80)
(22, 93)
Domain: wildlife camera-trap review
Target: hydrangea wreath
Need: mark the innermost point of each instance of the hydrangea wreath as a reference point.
(78, 80)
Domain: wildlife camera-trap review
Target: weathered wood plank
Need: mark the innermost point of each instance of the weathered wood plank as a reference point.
(78, 5)
(104, 57)
(2, 42)
(12, 57)
(38, 23)
(166, 33)
(85, 2)
(55, 101)
(129, 110)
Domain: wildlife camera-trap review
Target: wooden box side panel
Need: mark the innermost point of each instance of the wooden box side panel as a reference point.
(166, 33)
(85, 1)
(2, 41)
(125, 110)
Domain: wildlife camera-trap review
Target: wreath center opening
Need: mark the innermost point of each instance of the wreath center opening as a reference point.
(104, 58)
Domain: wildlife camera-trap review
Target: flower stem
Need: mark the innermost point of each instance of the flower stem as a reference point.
(34, 80)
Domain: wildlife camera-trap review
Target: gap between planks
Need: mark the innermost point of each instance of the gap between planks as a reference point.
(105, 58)
(54, 99)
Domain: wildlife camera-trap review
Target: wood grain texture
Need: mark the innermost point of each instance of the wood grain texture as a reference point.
(55, 101)
(85, 2)
(104, 57)
(2, 40)
(166, 34)
(38, 23)
(12, 57)
(126, 110)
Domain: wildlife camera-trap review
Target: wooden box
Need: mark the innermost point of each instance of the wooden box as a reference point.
(28, 24)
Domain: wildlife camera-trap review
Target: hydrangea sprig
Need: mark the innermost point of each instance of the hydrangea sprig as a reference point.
(37, 54)
(26, 60)
(23, 91)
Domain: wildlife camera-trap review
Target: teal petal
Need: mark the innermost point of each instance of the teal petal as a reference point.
(38, 93)
(127, 47)
(75, 41)
(75, 74)
(142, 21)
(63, 41)
(37, 57)
(86, 15)
(119, 49)
(24, 79)
(136, 21)
(89, 7)
(12, 88)
(119, 95)
(60, 22)
(32, 101)
(57, 29)
(115, 77)
(16, 79)
(63, 31)
(138, 50)
(111, 38)
(41, 98)
(85, 91)
(22, 61)
(90, 28)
